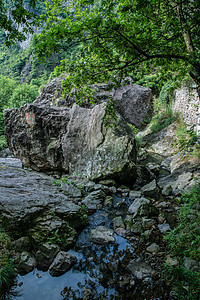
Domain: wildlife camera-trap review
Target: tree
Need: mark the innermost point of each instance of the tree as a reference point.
(16, 19)
(120, 38)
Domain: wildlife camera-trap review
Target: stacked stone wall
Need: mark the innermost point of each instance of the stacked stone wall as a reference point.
(187, 102)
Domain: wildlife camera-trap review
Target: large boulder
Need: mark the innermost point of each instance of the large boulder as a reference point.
(133, 101)
(71, 140)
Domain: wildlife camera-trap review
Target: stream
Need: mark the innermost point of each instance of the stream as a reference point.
(101, 269)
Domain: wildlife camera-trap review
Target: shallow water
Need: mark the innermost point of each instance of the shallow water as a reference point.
(100, 268)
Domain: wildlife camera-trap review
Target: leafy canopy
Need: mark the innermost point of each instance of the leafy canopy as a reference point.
(121, 38)
(17, 17)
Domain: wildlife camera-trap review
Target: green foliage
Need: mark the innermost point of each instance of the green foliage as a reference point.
(131, 39)
(186, 140)
(7, 277)
(186, 284)
(7, 271)
(162, 120)
(184, 241)
(3, 142)
(23, 94)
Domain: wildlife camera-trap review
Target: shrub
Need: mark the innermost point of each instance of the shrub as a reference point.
(184, 241)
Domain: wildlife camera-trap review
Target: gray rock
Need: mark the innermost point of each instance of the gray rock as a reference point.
(108, 182)
(164, 228)
(27, 263)
(150, 189)
(71, 140)
(132, 101)
(87, 294)
(102, 235)
(62, 263)
(134, 194)
(118, 223)
(134, 225)
(22, 244)
(45, 255)
(139, 207)
(70, 190)
(192, 265)
(108, 201)
(148, 223)
(5, 153)
(171, 261)
(33, 195)
(94, 199)
(140, 269)
(153, 248)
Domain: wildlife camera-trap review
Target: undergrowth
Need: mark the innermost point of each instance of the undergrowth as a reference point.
(7, 270)
(184, 244)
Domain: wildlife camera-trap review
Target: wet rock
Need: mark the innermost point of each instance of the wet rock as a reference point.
(33, 195)
(140, 269)
(134, 224)
(102, 235)
(108, 201)
(94, 199)
(134, 194)
(45, 255)
(139, 207)
(153, 248)
(118, 223)
(150, 189)
(53, 229)
(27, 263)
(22, 244)
(70, 190)
(108, 182)
(62, 263)
(87, 294)
(148, 223)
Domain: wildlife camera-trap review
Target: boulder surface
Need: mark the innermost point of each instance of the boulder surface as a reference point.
(71, 140)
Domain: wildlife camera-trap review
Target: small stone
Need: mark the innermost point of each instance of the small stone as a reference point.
(139, 207)
(118, 223)
(171, 261)
(153, 248)
(151, 189)
(63, 262)
(148, 223)
(164, 227)
(22, 244)
(109, 182)
(140, 269)
(108, 201)
(134, 194)
(102, 235)
(46, 254)
(192, 265)
(87, 294)
(27, 263)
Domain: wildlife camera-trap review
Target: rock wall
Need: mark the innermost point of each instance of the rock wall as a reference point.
(187, 102)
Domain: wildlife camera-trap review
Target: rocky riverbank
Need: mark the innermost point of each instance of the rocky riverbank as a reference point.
(49, 214)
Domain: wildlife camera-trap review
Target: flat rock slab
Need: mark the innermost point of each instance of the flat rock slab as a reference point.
(102, 235)
(25, 194)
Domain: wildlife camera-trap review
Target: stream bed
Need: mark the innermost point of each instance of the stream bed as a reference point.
(101, 271)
